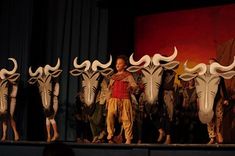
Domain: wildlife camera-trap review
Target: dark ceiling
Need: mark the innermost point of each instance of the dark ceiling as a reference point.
(139, 7)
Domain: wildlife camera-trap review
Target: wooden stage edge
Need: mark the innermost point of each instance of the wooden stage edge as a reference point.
(34, 148)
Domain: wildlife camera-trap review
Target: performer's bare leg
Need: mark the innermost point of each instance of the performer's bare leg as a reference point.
(4, 131)
(12, 110)
(211, 131)
(55, 107)
(219, 118)
(55, 130)
(48, 126)
(13, 125)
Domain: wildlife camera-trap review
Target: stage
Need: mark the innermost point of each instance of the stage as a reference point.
(28, 148)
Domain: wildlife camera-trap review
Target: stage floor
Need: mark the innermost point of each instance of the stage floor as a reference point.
(29, 148)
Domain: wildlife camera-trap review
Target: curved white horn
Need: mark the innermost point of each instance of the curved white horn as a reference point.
(200, 68)
(49, 68)
(96, 64)
(85, 63)
(158, 57)
(2, 76)
(4, 71)
(145, 58)
(38, 71)
(216, 66)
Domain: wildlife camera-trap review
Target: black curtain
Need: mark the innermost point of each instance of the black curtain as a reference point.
(36, 33)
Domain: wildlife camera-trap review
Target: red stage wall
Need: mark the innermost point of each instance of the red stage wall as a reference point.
(196, 33)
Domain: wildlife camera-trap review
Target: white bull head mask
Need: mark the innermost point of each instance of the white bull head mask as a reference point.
(90, 77)
(152, 71)
(44, 78)
(207, 79)
(7, 76)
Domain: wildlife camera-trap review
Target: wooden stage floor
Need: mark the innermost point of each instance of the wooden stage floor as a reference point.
(29, 148)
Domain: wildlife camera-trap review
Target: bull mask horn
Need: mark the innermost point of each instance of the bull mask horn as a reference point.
(158, 57)
(96, 64)
(200, 68)
(216, 66)
(145, 58)
(38, 71)
(3, 72)
(48, 68)
(85, 64)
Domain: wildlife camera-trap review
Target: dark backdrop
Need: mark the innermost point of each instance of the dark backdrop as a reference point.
(37, 32)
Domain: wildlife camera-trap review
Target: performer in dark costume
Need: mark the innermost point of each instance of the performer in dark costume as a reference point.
(189, 113)
(167, 98)
(81, 115)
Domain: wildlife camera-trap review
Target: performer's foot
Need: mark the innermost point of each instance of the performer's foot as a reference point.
(220, 138)
(99, 141)
(86, 141)
(79, 140)
(161, 135)
(17, 138)
(49, 139)
(212, 141)
(168, 139)
(110, 141)
(102, 135)
(128, 141)
(3, 138)
(95, 139)
(55, 137)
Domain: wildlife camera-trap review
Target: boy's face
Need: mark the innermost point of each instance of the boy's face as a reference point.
(120, 64)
